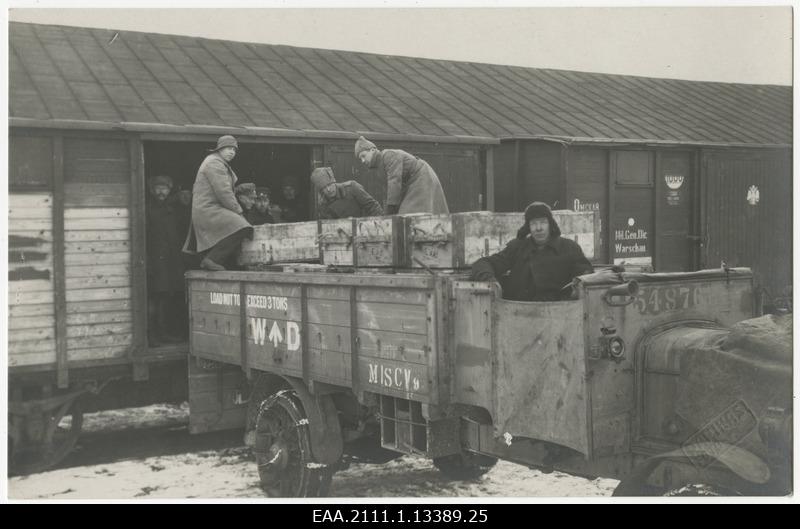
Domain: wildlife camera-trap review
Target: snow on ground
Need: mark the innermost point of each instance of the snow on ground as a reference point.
(130, 418)
(231, 473)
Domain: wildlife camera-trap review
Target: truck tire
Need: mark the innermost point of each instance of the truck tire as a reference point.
(283, 450)
(464, 466)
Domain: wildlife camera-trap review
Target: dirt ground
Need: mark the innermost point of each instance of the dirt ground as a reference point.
(230, 472)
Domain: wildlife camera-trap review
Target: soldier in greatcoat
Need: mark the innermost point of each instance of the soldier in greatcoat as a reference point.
(218, 225)
(411, 184)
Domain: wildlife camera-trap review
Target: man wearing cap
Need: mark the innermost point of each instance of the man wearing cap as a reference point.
(348, 199)
(261, 213)
(164, 262)
(218, 224)
(411, 184)
(247, 195)
(539, 261)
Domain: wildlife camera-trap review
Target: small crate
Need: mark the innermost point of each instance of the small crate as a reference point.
(281, 243)
(378, 241)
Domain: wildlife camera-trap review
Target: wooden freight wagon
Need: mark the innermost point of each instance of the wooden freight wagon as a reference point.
(76, 301)
(436, 365)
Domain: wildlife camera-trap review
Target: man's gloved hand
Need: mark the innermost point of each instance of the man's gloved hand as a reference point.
(392, 210)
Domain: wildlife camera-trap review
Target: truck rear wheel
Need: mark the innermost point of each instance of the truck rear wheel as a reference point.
(283, 450)
(464, 466)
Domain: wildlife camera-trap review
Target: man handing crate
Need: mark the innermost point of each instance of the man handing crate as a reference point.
(337, 201)
(412, 184)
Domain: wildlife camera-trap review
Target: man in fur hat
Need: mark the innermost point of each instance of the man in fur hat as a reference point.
(348, 199)
(411, 184)
(540, 262)
(218, 224)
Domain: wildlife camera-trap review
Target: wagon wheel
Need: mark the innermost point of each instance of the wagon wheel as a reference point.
(465, 465)
(55, 441)
(283, 450)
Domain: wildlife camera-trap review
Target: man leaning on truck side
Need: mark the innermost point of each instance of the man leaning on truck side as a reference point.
(218, 225)
(539, 261)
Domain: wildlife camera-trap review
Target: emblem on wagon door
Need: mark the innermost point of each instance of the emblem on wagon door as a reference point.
(673, 181)
(753, 195)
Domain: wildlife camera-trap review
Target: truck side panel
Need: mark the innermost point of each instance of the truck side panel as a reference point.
(312, 331)
(540, 379)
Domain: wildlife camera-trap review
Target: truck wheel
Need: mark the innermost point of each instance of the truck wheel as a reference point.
(283, 450)
(464, 466)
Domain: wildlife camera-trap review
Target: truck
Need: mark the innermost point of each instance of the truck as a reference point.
(642, 377)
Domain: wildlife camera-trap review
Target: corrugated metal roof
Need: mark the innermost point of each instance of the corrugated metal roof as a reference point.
(70, 74)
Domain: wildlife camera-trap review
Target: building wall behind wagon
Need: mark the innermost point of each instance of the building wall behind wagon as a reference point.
(458, 167)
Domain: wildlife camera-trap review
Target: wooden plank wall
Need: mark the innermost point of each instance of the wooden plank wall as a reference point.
(31, 321)
(97, 248)
(98, 282)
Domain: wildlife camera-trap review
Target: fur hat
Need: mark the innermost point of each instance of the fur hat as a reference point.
(363, 144)
(538, 210)
(248, 190)
(262, 192)
(321, 177)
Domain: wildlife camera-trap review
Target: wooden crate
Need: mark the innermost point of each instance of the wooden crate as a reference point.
(378, 241)
(459, 239)
(281, 243)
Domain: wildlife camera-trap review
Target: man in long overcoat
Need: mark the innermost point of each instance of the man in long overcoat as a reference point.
(540, 262)
(218, 225)
(164, 262)
(411, 184)
(341, 200)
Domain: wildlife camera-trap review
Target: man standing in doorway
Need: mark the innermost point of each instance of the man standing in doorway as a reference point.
(289, 201)
(218, 225)
(164, 263)
(411, 184)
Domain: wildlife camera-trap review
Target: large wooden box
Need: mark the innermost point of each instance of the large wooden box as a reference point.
(378, 241)
(459, 239)
(281, 243)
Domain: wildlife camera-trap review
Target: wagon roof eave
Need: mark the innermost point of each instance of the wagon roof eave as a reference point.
(161, 128)
(584, 140)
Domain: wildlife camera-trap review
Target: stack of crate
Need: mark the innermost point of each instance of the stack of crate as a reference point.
(420, 240)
